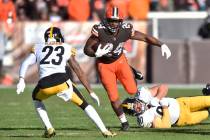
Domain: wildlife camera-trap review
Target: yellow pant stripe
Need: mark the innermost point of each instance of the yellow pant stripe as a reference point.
(76, 99)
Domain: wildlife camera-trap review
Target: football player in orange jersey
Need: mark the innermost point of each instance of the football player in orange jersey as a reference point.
(106, 44)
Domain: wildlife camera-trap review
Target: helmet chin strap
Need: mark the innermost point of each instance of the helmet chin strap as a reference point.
(51, 40)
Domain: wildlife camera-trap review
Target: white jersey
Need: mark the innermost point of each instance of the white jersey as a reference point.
(144, 95)
(146, 119)
(51, 59)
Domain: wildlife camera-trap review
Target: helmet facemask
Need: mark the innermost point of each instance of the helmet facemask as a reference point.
(113, 25)
(133, 106)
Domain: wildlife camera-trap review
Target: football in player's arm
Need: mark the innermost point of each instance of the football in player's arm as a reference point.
(169, 111)
(52, 57)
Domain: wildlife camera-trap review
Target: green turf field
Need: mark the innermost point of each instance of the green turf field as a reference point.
(18, 119)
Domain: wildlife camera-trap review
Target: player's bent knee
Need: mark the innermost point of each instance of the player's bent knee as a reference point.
(132, 91)
(81, 102)
(78, 99)
(164, 87)
(113, 98)
(66, 95)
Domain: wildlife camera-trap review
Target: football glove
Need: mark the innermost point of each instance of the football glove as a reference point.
(164, 102)
(154, 101)
(95, 98)
(102, 51)
(20, 86)
(165, 50)
(144, 95)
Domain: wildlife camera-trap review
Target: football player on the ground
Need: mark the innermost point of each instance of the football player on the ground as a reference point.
(52, 58)
(106, 44)
(169, 111)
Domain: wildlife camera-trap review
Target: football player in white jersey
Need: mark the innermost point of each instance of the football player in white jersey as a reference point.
(168, 112)
(52, 57)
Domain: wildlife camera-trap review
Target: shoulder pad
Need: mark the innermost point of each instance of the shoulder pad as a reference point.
(94, 30)
(129, 27)
(126, 25)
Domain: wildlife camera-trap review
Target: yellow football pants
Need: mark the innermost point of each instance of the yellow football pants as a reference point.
(193, 110)
(45, 93)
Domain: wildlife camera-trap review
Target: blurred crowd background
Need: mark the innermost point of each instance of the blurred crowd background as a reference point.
(83, 10)
(22, 23)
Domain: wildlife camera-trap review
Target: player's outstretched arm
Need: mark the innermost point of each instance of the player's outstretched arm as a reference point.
(91, 42)
(31, 59)
(79, 72)
(82, 77)
(146, 38)
(152, 41)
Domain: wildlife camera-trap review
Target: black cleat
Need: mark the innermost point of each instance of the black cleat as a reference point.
(125, 126)
(206, 90)
(137, 74)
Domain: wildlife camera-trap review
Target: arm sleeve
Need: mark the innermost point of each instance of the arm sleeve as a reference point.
(31, 59)
(163, 122)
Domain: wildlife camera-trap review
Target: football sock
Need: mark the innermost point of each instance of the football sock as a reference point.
(93, 115)
(40, 109)
(122, 118)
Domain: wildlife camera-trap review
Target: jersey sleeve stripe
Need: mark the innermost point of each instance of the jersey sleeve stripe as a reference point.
(95, 32)
(73, 51)
(132, 32)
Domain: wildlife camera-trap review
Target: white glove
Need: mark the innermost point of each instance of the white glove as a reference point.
(154, 101)
(144, 95)
(102, 51)
(164, 102)
(165, 50)
(20, 86)
(95, 98)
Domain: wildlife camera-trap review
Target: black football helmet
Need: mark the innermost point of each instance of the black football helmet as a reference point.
(53, 34)
(206, 90)
(129, 106)
(113, 19)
